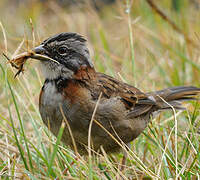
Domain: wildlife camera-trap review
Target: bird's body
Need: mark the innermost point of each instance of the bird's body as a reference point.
(72, 86)
(123, 110)
(78, 104)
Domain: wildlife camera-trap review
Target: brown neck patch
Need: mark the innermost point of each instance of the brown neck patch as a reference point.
(85, 73)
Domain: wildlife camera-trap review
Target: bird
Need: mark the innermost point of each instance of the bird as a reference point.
(74, 90)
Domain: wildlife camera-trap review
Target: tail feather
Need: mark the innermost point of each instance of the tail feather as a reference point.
(166, 98)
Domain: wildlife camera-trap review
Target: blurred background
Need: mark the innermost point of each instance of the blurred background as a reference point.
(106, 26)
(147, 43)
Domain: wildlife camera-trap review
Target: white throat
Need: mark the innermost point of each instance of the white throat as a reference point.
(53, 71)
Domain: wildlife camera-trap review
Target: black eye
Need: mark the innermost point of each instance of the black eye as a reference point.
(62, 50)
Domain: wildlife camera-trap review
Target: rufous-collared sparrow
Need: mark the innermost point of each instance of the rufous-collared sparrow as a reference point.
(73, 85)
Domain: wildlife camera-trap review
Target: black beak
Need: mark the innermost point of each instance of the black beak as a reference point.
(39, 54)
(39, 49)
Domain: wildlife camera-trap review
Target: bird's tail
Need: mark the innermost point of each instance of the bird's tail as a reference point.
(169, 97)
(165, 99)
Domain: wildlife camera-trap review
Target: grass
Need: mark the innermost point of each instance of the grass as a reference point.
(138, 47)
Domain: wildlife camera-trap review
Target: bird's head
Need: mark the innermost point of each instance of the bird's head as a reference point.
(69, 52)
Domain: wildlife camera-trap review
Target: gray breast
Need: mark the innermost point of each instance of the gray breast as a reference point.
(51, 97)
(50, 103)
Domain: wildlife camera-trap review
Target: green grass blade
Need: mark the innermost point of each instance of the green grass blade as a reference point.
(21, 125)
(17, 141)
(55, 149)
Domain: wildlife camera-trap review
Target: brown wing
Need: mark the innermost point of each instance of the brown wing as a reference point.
(134, 100)
(112, 87)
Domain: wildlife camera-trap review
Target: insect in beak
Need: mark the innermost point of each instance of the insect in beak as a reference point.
(19, 60)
